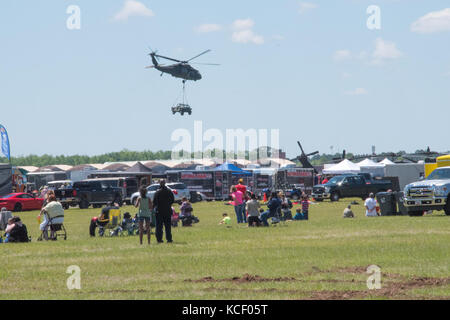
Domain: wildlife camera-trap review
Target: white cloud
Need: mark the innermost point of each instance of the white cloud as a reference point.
(243, 24)
(133, 8)
(247, 36)
(357, 92)
(346, 75)
(243, 32)
(306, 6)
(385, 50)
(208, 27)
(436, 21)
(341, 55)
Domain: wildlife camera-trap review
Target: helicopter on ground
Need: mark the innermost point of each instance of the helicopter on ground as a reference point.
(303, 158)
(182, 69)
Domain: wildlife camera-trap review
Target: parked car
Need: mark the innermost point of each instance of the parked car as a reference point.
(432, 193)
(129, 185)
(21, 202)
(64, 192)
(97, 192)
(295, 192)
(179, 190)
(349, 186)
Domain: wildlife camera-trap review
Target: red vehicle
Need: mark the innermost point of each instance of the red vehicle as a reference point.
(21, 202)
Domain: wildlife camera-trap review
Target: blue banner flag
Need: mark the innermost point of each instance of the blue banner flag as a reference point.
(5, 142)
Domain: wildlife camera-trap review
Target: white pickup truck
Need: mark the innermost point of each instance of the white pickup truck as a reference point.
(432, 193)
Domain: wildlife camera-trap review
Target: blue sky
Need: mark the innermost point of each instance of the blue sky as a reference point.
(309, 68)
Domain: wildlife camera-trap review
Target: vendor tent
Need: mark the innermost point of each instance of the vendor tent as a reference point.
(345, 166)
(386, 161)
(367, 163)
(231, 167)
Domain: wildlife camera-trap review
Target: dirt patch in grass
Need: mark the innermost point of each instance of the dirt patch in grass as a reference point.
(245, 278)
(394, 286)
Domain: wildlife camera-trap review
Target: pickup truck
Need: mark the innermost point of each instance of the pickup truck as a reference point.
(349, 186)
(97, 192)
(432, 193)
(64, 193)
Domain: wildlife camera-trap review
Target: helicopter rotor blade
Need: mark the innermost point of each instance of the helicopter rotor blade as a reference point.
(198, 55)
(159, 56)
(206, 64)
(301, 148)
(312, 153)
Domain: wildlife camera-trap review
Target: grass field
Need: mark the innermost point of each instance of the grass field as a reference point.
(323, 258)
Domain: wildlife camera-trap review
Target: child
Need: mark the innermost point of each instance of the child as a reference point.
(305, 206)
(226, 220)
(298, 215)
(175, 218)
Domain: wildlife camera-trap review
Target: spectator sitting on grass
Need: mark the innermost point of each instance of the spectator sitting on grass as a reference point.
(348, 213)
(226, 220)
(299, 215)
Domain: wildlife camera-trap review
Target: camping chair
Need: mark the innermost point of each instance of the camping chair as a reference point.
(56, 229)
(111, 222)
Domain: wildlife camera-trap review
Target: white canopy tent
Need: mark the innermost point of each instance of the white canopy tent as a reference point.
(370, 166)
(345, 166)
(367, 163)
(386, 161)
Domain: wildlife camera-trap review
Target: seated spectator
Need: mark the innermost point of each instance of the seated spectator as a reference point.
(186, 213)
(299, 215)
(16, 231)
(273, 205)
(102, 220)
(348, 213)
(252, 207)
(286, 206)
(5, 215)
(53, 213)
(127, 224)
(226, 220)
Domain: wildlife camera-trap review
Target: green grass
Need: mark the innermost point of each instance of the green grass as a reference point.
(325, 257)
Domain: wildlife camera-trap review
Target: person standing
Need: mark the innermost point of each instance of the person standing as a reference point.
(162, 202)
(305, 206)
(252, 207)
(145, 206)
(238, 202)
(371, 206)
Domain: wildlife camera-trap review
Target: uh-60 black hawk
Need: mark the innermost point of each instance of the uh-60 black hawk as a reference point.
(182, 70)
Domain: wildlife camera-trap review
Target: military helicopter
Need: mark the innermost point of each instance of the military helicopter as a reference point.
(303, 158)
(182, 69)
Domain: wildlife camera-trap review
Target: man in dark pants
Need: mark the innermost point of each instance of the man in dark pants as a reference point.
(163, 201)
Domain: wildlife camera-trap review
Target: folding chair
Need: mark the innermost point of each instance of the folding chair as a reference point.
(110, 223)
(56, 229)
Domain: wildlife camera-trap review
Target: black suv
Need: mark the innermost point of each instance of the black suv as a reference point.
(97, 192)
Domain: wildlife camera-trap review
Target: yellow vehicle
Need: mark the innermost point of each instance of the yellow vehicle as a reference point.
(442, 161)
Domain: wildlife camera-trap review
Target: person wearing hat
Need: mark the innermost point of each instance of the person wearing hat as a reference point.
(371, 206)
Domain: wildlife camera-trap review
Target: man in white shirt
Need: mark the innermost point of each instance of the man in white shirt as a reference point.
(371, 206)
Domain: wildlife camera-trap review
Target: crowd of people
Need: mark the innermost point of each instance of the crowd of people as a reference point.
(161, 215)
(248, 209)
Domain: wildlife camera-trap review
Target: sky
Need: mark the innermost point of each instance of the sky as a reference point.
(312, 69)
